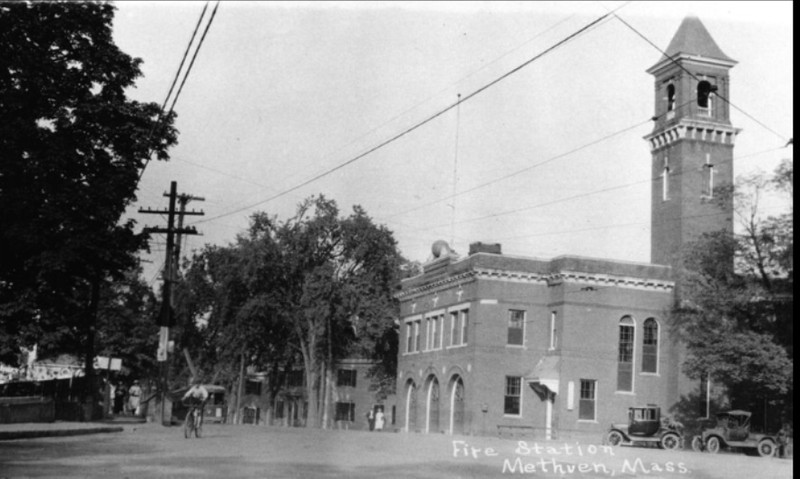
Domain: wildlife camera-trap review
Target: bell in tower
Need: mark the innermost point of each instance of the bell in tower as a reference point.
(691, 143)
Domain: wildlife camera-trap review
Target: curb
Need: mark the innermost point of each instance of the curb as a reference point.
(10, 435)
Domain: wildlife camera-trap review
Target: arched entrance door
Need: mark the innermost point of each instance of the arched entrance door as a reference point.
(411, 406)
(433, 406)
(457, 406)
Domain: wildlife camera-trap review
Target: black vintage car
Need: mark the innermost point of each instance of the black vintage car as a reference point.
(646, 427)
(733, 431)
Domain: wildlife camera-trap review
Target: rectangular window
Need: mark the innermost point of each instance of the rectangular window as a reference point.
(455, 329)
(346, 377)
(625, 359)
(416, 335)
(437, 333)
(252, 387)
(428, 334)
(512, 403)
(345, 411)
(708, 177)
(586, 404)
(553, 330)
(409, 337)
(650, 347)
(279, 410)
(464, 325)
(516, 327)
(294, 379)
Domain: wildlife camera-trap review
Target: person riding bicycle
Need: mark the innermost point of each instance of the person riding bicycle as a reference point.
(196, 396)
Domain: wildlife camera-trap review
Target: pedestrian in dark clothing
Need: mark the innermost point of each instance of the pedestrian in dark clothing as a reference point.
(371, 419)
(119, 399)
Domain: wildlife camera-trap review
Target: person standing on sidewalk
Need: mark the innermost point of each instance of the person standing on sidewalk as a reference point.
(134, 396)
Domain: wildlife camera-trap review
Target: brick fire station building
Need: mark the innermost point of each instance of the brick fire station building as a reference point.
(562, 347)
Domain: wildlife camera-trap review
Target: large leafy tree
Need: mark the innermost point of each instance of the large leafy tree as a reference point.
(735, 301)
(72, 147)
(309, 290)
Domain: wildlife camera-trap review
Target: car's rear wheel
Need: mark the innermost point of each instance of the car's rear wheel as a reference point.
(614, 438)
(697, 444)
(766, 448)
(670, 441)
(713, 445)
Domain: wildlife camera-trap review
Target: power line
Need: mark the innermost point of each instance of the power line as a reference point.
(194, 57)
(590, 193)
(423, 122)
(160, 116)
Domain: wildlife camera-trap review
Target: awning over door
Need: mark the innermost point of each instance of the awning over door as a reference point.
(544, 378)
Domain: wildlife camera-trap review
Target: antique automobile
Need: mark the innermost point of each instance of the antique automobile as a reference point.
(646, 427)
(733, 431)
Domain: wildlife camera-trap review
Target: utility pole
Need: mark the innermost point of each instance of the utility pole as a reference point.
(165, 318)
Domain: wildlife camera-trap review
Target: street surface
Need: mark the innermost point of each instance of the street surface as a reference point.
(151, 450)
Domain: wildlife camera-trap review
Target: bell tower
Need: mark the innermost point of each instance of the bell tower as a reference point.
(691, 143)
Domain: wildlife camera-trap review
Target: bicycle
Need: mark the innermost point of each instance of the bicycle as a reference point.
(194, 419)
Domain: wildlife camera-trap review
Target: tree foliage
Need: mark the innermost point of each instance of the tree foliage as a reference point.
(307, 291)
(735, 298)
(72, 147)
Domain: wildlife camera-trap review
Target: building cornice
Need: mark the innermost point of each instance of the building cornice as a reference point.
(693, 130)
(436, 286)
(545, 279)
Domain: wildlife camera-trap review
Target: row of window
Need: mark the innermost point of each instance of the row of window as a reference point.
(512, 401)
(435, 326)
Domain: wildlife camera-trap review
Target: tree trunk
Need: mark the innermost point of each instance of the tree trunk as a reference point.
(90, 326)
(238, 415)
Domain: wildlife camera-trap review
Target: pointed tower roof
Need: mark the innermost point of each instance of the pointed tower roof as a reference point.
(693, 40)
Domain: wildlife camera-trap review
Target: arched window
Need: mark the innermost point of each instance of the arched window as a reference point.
(625, 354)
(650, 346)
(670, 97)
(704, 91)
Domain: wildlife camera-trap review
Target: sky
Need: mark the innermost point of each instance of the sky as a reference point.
(286, 100)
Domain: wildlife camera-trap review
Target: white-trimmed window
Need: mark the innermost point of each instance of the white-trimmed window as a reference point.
(409, 337)
(708, 177)
(627, 333)
(512, 403)
(516, 327)
(412, 334)
(587, 406)
(417, 328)
(464, 325)
(455, 328)
(665, 180)
(459, 317)
(553, 339)
(650, 346)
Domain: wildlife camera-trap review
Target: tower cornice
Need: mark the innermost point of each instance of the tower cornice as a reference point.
(688, 129)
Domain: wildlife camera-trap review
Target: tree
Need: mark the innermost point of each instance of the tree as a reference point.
(72, 147)
(735, 300)
(317, 287)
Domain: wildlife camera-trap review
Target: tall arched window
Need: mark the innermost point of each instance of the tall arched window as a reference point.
(704, 91)
(670, 97)
(625, 355)
(650, 346)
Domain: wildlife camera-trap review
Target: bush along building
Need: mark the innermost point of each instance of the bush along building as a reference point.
(560, 348)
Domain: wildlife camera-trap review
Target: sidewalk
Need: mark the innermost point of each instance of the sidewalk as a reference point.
(31, 430)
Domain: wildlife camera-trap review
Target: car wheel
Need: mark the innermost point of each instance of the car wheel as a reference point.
(670, 441)
(614, 438)
(766, 448)
(712, 445)
(697, 444)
